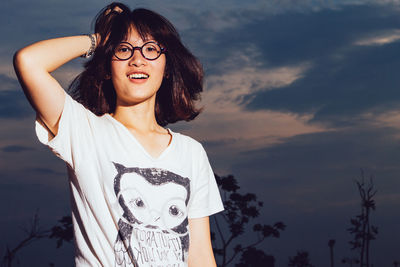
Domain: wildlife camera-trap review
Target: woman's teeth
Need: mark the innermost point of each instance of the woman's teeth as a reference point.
(138, 76)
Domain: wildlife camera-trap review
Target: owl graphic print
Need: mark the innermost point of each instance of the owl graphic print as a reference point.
(153, 229)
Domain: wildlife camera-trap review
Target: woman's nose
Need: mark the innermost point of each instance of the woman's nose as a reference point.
(137, 59)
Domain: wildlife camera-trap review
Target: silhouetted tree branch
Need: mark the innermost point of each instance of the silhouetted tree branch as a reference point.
(62, 232)
(253, 257)
(300, 260)
(33, 233)
(331, 244)
(361, 228)
(239, 210)
(350, 261)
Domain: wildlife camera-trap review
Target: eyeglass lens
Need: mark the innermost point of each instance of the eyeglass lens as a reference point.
(149, 50)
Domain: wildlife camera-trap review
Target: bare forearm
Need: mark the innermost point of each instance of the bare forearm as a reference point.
(202, 261)
(53, 53)
(200, 249)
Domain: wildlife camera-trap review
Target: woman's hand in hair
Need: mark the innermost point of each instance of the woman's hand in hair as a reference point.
(116, 8)
(105, 19)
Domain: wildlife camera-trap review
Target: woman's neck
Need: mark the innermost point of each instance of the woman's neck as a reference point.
(139, 117)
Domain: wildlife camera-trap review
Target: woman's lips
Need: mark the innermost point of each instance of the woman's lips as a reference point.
(138, 77)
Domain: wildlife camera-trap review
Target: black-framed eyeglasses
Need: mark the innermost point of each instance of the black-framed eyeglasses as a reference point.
(149, 50)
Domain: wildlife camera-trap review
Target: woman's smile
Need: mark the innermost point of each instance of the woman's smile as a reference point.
(138, 77)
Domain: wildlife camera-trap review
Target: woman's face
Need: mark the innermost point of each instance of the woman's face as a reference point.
(137, 79)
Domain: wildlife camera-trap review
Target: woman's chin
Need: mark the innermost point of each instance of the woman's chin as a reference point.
(135, 99)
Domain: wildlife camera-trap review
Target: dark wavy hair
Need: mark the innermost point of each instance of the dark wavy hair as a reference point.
(183, 78)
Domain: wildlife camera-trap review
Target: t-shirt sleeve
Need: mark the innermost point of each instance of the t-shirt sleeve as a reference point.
(73, 132)
(206, 199)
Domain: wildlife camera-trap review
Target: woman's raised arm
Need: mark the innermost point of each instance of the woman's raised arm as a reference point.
(33, 65)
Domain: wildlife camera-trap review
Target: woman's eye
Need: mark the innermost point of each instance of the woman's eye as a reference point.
(123, 49)
(175, 211)
(151, 48)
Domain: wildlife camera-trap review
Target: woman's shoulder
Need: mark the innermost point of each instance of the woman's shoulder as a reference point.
(187, 141)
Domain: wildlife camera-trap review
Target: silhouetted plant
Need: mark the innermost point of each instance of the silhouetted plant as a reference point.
(350, 261)
(302, 259)
(253, 257)
(331, 244)
(396, 263)
(239, 210)
(33, 233)
(361, 228)
(63, 232)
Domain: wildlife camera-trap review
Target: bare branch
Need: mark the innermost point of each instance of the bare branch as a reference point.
(34, 233)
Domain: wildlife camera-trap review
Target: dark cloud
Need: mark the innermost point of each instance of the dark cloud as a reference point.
(9, 188)
(294, 37)
(45, 171)
(345, 80)
(13, 103)
(44, 19)
(339, 91)
(219, 143)
(8, 84)
(15, 148)
(324, 158)
(290, 38)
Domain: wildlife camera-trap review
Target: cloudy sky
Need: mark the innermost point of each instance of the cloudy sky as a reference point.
(299, 96)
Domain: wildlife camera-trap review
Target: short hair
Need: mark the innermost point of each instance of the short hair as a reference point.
(183, 78)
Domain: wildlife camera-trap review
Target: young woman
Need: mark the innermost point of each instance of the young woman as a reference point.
(141, 194)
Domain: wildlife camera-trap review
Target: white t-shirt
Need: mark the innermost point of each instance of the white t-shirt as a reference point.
(129, 208)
